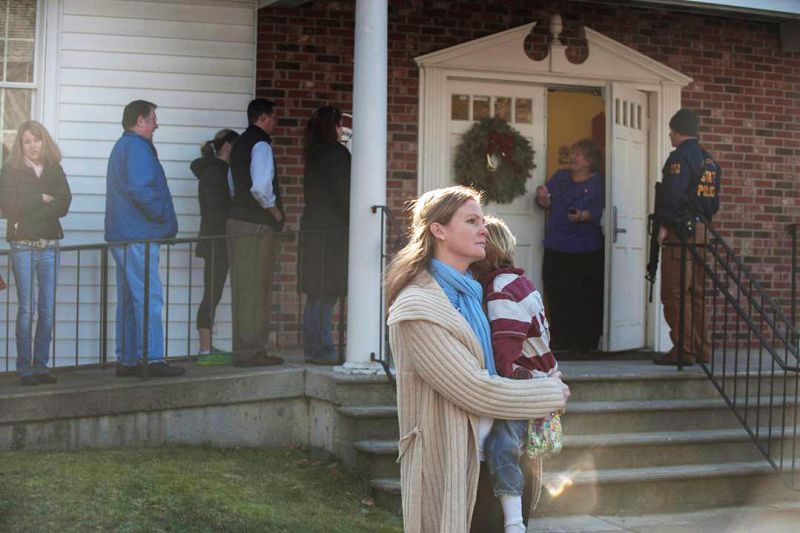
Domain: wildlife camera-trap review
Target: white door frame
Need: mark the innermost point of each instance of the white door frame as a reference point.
(502, 58)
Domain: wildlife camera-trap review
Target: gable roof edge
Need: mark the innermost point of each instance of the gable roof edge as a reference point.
(510, 35)
(667, 74)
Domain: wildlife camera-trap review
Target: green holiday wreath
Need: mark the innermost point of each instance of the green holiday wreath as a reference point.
(494, 158)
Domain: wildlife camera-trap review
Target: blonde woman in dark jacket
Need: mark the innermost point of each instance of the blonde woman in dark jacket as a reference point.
(34, 195)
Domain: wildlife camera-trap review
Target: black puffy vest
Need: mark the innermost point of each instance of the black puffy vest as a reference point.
(243, 205)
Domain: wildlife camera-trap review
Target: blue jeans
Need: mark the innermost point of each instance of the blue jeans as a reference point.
(33, 266)
(502, 451)
(131, 308)
(317, 325)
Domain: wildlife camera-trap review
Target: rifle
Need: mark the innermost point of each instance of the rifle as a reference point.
(653, 227)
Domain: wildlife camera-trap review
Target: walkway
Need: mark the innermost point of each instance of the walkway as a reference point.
(778, 518)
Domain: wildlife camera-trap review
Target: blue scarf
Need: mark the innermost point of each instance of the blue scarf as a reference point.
(466, 295)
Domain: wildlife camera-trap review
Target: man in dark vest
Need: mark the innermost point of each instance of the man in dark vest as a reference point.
(256, 216)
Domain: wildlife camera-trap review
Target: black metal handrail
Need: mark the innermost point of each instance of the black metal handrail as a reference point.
(82, 296)
(792, 229)
(388, 223)
(753, 360)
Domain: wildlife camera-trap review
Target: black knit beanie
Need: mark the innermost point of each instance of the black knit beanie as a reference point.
(684, 122)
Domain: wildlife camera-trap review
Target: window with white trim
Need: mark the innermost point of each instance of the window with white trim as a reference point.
(17, 80)
(475, 107)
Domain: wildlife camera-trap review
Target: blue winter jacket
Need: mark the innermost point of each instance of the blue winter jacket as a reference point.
(138, 201)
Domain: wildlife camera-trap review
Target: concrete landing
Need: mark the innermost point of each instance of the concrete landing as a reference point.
(288, 404)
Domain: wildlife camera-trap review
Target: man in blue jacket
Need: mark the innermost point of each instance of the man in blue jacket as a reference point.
(138, 208)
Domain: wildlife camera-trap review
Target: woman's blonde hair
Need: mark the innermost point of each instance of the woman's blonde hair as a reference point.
(50, 152)
(438, 205)
(500, 247)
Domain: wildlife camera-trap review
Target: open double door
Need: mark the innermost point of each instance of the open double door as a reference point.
(524, 106)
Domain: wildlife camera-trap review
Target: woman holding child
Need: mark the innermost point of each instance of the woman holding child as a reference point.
(448, 388)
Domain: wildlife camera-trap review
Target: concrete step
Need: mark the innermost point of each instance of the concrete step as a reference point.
(641, 380)
(653, 386)
(627, 491)
(380, 457)
(611, 451)
(636, 491)
(637, 416)
(370, 422)
(637, 450)
(653, 440)
(387, 493)
(345, 389)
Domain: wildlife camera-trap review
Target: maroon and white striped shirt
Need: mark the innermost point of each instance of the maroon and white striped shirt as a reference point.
(520, 332)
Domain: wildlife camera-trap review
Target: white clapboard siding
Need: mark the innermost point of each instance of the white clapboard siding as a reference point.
(208, 101)
(196, 60)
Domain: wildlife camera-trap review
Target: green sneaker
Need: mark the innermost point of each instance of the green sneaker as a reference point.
(214, 358)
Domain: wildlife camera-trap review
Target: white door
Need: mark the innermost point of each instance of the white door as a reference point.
(524, 107)
(626, 223)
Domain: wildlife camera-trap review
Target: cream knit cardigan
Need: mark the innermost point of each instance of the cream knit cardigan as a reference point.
(442, 389)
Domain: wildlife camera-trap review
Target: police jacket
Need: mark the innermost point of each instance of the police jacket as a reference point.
(684, 162)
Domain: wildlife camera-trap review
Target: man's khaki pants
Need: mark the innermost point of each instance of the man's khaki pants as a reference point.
(696, 337)
(252, 252)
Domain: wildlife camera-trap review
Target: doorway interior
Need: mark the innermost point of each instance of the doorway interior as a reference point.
(575, 304)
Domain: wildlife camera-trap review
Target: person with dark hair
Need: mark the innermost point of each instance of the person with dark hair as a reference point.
(134, 110)
(138, 208)
(34, 194)
(324, 226)
(256, 216)
(573, 265)
(215, 203)
(679, 212)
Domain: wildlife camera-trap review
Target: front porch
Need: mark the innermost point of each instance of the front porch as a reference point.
(639, 439)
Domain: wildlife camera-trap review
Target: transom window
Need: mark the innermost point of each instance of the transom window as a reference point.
(17, 46)
(475, 107)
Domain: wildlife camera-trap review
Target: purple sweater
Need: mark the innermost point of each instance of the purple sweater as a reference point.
(562, 235)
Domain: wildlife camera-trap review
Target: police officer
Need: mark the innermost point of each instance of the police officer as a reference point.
(679, 208)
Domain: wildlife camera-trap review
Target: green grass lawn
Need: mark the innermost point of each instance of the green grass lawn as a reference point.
(183, 489)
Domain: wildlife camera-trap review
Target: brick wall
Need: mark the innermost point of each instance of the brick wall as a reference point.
(745, 89)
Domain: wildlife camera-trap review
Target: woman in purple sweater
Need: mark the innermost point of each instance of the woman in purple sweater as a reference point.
(573, 256)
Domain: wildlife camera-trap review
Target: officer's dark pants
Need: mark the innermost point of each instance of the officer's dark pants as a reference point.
(696, 338)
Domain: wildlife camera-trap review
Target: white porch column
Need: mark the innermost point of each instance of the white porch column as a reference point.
(365, 315)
